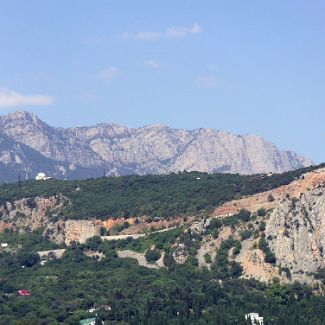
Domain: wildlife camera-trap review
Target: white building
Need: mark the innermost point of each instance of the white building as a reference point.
(4, 245)
(255, 318)
(42, 177)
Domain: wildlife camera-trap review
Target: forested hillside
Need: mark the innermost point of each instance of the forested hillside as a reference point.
(157, 195)
(119, 291)
(200, 268)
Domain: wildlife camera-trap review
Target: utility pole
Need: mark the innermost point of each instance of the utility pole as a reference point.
(19, 183)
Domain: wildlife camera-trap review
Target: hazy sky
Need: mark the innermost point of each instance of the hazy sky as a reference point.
(242, 66)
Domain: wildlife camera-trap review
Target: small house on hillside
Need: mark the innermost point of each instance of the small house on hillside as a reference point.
(42, 177)
(24, 293)
(255, 318)
(106, 307)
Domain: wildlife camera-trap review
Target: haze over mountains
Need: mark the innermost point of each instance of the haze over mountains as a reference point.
(28, 145)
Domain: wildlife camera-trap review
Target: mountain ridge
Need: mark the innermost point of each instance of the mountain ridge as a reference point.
(152, 149)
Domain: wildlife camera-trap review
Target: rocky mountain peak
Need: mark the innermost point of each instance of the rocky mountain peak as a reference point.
(20, 124)
(21, 117)
(151, 149)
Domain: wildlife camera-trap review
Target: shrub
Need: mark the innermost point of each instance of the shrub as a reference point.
(215, 224)
(244, 215)
(222, 266)
(215, 234)
(286, 233)
(102, 231)
(261, 212)
(262, 226)
(169, 261)
(237, 248)
(287, 271)
(269, 256)
(152, 255)
(235, 269)
(245, 234)
(320, 275)
(94, 243)
(207, 258)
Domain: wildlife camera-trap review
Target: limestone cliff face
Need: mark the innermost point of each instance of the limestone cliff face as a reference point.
(72, 230)
(295, 232)
(29, 214)
(151, 149)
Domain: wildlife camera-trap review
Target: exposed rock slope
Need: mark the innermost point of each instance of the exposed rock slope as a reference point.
(152, 149)
(293, 229)
(296, 233)
(30, 214)
(270, 199)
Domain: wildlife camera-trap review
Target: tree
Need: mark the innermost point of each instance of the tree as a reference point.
(261, 212)
(27, 259)
(270, 198)
(244, 215)
(152, 255)
(94, 243)
(102, 231)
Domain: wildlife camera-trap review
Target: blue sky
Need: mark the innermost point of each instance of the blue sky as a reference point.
(254, 67)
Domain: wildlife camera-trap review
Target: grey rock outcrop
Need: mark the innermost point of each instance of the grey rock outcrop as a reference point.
(29, 214)
(70, 231)
(152, 149)
(295, 232)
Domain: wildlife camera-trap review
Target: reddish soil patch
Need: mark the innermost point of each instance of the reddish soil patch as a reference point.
(4, 225)
(252, 203)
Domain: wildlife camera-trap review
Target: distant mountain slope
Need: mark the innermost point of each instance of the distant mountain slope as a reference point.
(19, 159)
(152, 149)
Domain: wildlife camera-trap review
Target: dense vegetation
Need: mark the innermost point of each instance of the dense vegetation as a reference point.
(63, 290)
(154, 195)
(122, 292)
